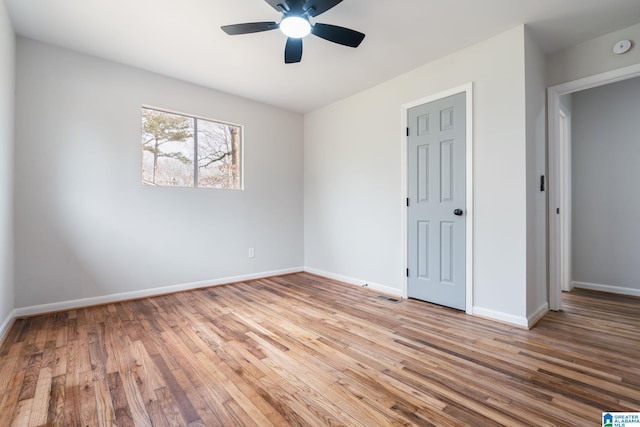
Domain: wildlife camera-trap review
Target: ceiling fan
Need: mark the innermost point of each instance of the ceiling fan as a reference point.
(295, 25)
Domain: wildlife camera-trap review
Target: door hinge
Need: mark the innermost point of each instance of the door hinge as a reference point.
(557, 210)
(407, 131)
(407, 201)
(407, 272)
(542, 183)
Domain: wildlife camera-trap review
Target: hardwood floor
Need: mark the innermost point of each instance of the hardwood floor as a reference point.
(304, 350)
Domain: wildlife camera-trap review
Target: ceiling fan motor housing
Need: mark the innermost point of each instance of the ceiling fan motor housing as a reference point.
(303, 10)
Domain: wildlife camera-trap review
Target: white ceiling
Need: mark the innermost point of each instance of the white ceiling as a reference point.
(182, 38)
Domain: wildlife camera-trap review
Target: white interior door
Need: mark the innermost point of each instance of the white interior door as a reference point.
(437, 202)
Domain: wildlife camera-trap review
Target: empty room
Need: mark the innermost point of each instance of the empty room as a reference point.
(319, 212)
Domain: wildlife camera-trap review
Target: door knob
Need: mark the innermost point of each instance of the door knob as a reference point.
(458, 212)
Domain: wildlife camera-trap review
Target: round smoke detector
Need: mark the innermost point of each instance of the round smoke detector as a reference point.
(623, 46)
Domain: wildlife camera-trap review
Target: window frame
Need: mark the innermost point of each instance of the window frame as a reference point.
(195, 117)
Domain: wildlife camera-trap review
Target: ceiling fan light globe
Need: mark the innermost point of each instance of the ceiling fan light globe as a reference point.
(295, 27)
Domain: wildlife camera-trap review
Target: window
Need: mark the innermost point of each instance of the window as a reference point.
(186, 151)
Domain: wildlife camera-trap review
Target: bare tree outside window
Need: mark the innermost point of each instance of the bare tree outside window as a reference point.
(184, 151)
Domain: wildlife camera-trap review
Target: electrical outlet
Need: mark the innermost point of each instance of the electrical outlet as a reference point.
(252, 253)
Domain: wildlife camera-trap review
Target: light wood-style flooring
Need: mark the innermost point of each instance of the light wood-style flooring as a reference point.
(304, 350)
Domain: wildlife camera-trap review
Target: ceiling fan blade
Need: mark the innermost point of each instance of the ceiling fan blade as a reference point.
(249, 27)
(279, 5)
(340, 35)
(316, 7)
(293, 51)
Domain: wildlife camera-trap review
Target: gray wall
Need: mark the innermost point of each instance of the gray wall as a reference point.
(536, 111)
(606, 195)
(353, 176)
(86, 227)
(593, 57)
(7, 75)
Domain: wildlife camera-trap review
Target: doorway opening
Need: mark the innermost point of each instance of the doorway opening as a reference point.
(560, 250)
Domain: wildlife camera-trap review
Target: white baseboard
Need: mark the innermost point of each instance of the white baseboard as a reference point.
(358, 282)
(501, 317)
(607, 288)
(108, 299)
(477, 311)
(534, 317)
(6, 324)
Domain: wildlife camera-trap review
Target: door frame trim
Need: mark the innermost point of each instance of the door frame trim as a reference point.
(564, 184)
(467, 89)
(556, 169)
